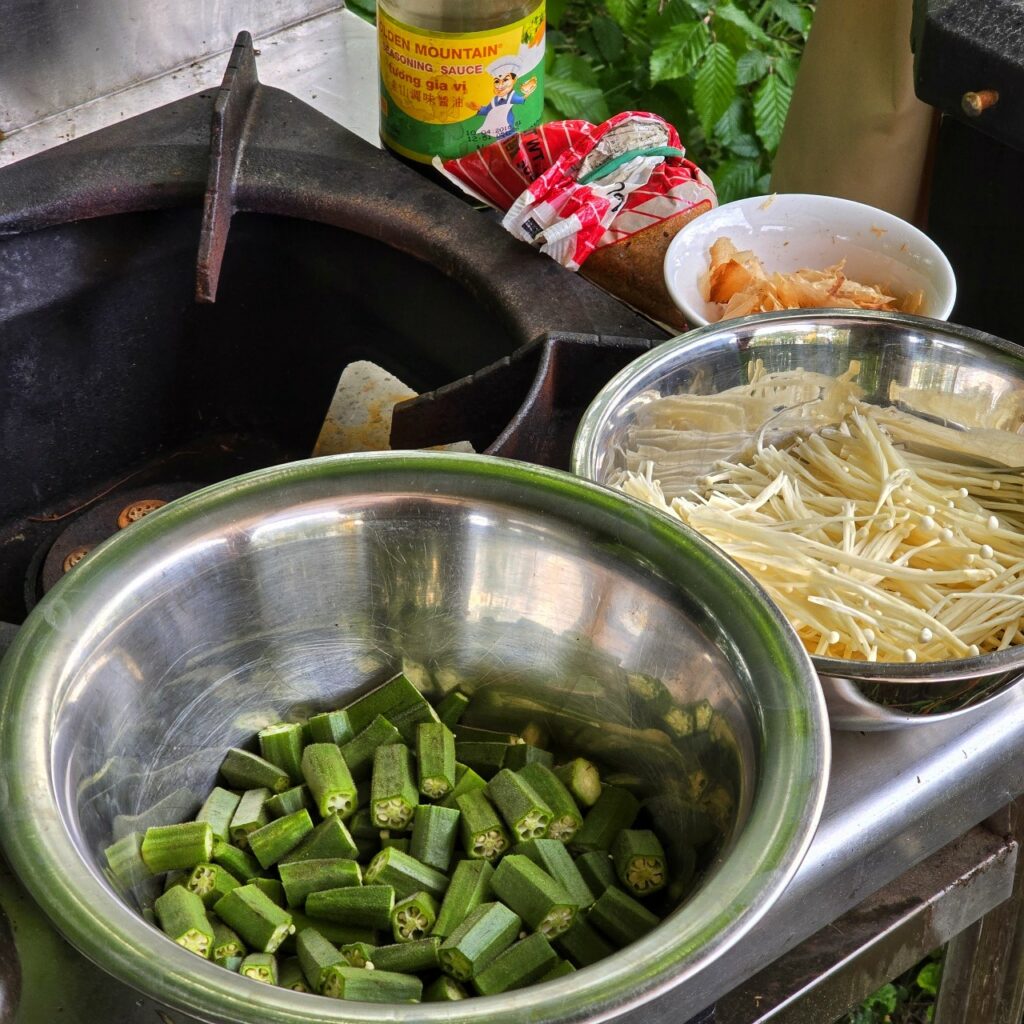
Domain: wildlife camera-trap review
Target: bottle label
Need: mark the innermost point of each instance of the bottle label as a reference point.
(447, 94)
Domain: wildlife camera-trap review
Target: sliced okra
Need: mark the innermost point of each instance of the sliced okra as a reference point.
(720, 806)
(166, 847)
(301, 877)
(405, 874)
(639, 861)
(260, 967)
(244, 770)
(281, 745)
(534, 895)
(525, 813)
(369, 906)
(450, 709)
(483, 833)
(470, 886)
(582, 779)
(358, 954)
(560, 970)
(316, 956)
(615, 810)
(488, 930)
(387, 840)
(519, 755)
(444, 990)
(231, 963)
(434, 832)
(124, 859)
(597, 870)
(210, 881)
(358, 752)
(393, 795)
(278, 838)
(240, 863)
(472, 734)
(566, 817)
(329, 840)
(339, 934)
(405, 957)
(649, 696)
(218, 809)
(552, 856)
(250, 814)
(173, 878)
(261, 923)
(271, 888)
(485, 758)
(396, 697)
(331, 727)
(291, 800)
(620, 918)
(523, 963)
(584, 944)
(329, 779)
(182, 917)
(290, 976)
(413, 917)
(226, 942)
(435, 754)
(371, 986)
(466, 780)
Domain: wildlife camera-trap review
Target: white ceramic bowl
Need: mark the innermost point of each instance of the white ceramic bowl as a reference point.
(791, 231)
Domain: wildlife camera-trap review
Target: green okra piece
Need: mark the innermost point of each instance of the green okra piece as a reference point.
(260, 967)
(405, 874)
(466, 780)
(365, 986)
(362, 827)
(250, 815)
(679, 722)
(231, 963)
(331, 727)
(720, 806)
(366, 905)
(226, 942)
(278, 838)
(281, 745)
(290, 976)
(330, 840)
(435, 759)
(301, 877)
(551, 856)
(566, 817)
(393, 795)
(408, 957)
(329, 779)
(450, 709)
(639, 861)
(434, 832)
(394, 697)
(483, 832)
(691, 822)
(485, 758)
(182, 917)
(523, 963)
(597, 870)
(525, 813)
(218, 810)
(124, 859)
(387, 840)
(413, 918)
(243, 770)
(291, 800)
(488, 930)
(210, 881)
(357, 954)
(582, 779)
(472, 734)
(316, 956)
(333, 931)
(684, 863)
(649, 697)
(560, 970)
(519, 755)
(166, 847)
(470, 886)
(239, 862)
(534, 895)
(173, 878)
(584, 944)
(358, 752)
(615, 810)
(444, 990)
(620, 918)
(261, 923)
(271, 888)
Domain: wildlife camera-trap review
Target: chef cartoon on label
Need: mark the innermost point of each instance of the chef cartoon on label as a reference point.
(499, 115)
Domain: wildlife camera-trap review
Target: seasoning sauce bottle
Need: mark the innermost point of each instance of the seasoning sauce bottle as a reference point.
(456, 75)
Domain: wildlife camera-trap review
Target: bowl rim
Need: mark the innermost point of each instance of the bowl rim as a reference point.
(924, 245)
(643, 371)
(773, 842)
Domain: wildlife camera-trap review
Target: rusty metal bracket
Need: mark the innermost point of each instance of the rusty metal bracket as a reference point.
(227, 137)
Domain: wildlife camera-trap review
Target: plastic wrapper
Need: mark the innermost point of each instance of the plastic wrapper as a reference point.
(605, 198)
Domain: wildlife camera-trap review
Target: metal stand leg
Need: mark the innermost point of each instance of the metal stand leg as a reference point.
(983, 979)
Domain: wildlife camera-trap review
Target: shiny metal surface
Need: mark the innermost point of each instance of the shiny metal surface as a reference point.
(914, 351)
(56, 55)
(291, 589)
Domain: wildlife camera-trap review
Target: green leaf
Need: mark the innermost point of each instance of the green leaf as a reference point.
(366, 9)
(771, 102)
(885, 998)
(732, 14)
(736, 179)
(568, 65)
(928, 978)
(575, 100)
(731, 130)
(752, 67)
(679, 51)
(555, 10)
(714, 85)
(786, 70)
(625, 12)
(609, 38)
(796, 17)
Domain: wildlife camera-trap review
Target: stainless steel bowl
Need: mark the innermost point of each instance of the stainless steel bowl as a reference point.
(912, 350)
(294, 588)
